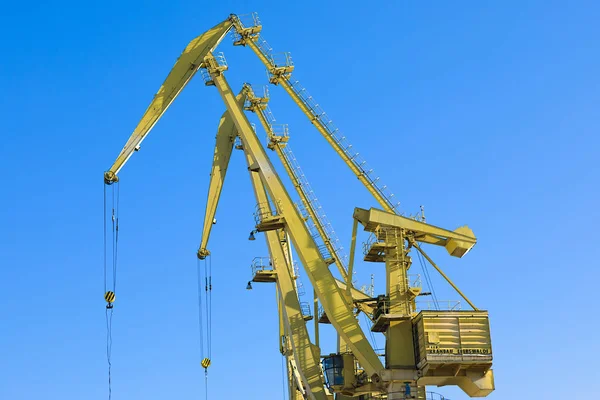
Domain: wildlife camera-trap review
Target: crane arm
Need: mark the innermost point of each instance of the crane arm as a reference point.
(458, 242)
(226, 135)
(184, 69)
(305, 354)
(281, 71)
(339, 312)
(277, 143)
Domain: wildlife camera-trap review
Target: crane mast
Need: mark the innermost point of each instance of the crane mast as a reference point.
(423, 346)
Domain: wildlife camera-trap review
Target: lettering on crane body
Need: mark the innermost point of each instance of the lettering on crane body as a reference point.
(452, 351)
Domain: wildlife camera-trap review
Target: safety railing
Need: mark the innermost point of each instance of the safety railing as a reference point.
(414, 280)
(366, 245)
(316, 207)
(220, 59)
(222, 66)
(429, 396)
(448, 305)
(435, 396)
(319, 114)
(279, 130)
(264, 211)
(305, 308)
(269, 115)
(208, 80)
(248, 20)
(300, 291)
(279, 60)
(261, 264)
(321, 311)
(324, 251)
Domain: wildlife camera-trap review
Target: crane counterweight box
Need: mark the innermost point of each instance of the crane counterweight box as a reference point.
(452, 338)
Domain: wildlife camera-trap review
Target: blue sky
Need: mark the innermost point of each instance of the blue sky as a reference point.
(483, 112)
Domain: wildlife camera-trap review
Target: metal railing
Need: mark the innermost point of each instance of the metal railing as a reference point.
(222, 64)
(447, 305)
(414, 280)
(317, 209)
(261, 264)
(276, 61)
(280, 60)
(220, 59)
(319, 114)
(248, 20)
(264, 211)
(366, 246)
(435, 396)
(305, 308)
(279, 130)
(206, 76)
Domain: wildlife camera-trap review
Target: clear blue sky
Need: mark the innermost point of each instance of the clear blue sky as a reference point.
(484, 112)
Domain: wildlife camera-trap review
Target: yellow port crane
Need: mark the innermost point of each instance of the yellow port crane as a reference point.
(423, 347)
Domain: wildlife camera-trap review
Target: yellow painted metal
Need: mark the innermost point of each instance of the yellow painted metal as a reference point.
(457, 242)
(258, 105)
(226, 135)
(444, 276)
(399, 347)
(455, 348)
(396, 313)
(453, 338)
(316, 315)
(291, 316)
(282, 338)
(304, 352)
(109, 297)
(338, 311)
(294, 377)
(184, 69)
(457, 247)
(351, 261)
(452, 347)
(283, 81)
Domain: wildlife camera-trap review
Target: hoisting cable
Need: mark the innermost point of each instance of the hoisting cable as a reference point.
(438, 269)
(206, 358)
(208, 290)
(428, 280)
(283, 376)
(368, 322)
(109, 290)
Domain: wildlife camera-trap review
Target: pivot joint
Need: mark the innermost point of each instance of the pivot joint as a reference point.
(203, 253)
(110, 177)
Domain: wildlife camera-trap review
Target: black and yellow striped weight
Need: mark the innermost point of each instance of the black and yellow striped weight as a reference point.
(109, 297)
(205, 363)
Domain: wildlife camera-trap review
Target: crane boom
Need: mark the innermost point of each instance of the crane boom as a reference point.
(184, 69)
(305, 353)
(258, 106)
(332, 298)
(281, 71)
(226, 135)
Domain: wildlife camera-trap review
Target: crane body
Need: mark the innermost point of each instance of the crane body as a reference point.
(423, 346)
